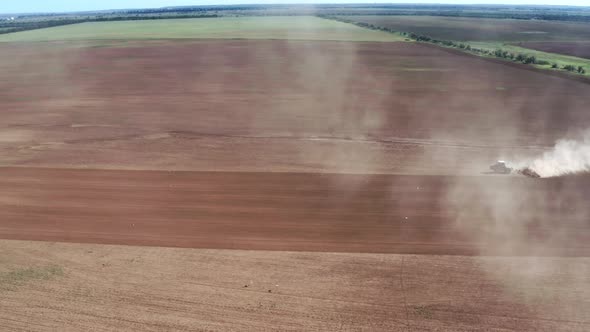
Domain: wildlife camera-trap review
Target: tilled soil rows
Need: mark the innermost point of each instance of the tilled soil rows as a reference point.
(500, 215)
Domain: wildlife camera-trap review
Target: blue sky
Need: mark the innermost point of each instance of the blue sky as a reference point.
(23, 6)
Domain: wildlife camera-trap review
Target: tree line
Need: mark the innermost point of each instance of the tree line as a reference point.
(498, 53)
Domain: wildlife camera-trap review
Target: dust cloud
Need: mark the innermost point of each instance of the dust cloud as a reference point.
(569, 156)
(529, 231)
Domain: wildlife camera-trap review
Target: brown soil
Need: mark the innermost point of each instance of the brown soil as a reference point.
(276, 105)
(579, 49)
(124, 288)
(506, 215)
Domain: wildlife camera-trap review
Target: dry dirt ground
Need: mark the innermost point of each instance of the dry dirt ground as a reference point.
(276, 106)
(74, 287)
(579, 49)
(428, 119)
(304, 212)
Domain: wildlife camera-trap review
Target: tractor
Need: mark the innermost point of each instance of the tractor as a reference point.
(500, 168)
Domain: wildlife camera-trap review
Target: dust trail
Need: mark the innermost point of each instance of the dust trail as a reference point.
(569, 156)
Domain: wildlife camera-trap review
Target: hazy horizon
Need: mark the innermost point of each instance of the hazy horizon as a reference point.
(42, 6)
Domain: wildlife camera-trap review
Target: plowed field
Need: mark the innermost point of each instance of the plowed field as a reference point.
(325, 166)
(578, 49)
(305, 212)
(276, 106)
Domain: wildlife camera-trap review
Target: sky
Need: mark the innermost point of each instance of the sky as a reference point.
(32, 6)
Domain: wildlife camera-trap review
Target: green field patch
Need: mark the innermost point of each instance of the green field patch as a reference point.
(423, 311)
(283, 27)
(21, 276)
(550, 58)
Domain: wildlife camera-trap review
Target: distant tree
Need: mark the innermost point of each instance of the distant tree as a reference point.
(520, 57)
(581, 70)
(503, 54)
(531, 59)
(554, 65)
(569, 68)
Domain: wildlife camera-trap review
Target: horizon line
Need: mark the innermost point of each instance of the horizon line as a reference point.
(297, 4)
